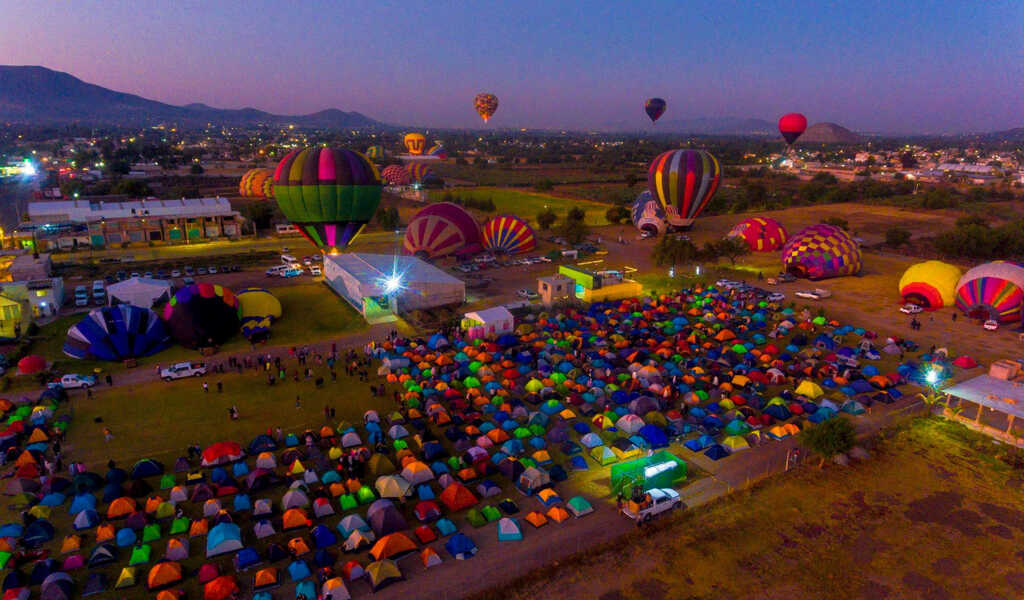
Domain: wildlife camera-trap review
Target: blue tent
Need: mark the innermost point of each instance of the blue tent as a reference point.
(39, 532)
(323, 537)
(125, 538)
(716, 452)
(445, 527)
(246, 557)
(654, 435)
(147, 467)
(87, 519)
(299, 570)
(79, 503)
(578, 463)
(460, 546)
(223, 538)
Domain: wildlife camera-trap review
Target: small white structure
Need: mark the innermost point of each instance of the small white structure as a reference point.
(140, 291)
(488, 322)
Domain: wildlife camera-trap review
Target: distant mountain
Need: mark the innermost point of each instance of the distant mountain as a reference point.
(1009, 135)
(829, 133)
(41, 95)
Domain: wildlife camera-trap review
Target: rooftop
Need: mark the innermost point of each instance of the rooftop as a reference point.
(1001, 395)
(94, 210)
(373, 269)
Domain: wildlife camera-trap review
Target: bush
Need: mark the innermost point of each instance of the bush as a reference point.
(544, 185)
(830, 438)
(896, 236)
(617, 214)
(546, 218)
(837, 222)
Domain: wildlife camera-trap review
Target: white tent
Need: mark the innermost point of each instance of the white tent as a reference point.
(140, 291)
(490, 321)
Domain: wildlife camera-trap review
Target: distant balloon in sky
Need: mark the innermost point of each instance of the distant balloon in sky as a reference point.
(415, 143)
(654, 107)
(486, 105)
(792, 126)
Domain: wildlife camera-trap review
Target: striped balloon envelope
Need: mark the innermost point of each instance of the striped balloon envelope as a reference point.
(440, 230)
(762, 234)
(508, 234)
(992, 291)
(684, 181)
(329, 194)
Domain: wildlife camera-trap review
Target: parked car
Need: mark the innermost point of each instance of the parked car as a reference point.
(189, 271)
(182, 370)
(121, 275)
(523, 293)
(315, 271)
(187, 280)
(657, 501)
(161, 274)
(807, 295)
(991, 325)
(911, 309)
(201, 271)
(99, 292)
(212, 270)
(291, 272)
(73, 381)
(307, 260)
(175, 273)
(776, 297)
(81, 296)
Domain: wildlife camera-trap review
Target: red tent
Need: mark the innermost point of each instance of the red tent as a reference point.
(33, 363)
(222, 453)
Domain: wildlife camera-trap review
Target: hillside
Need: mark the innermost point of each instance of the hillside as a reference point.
(41, 95)
(829, 133)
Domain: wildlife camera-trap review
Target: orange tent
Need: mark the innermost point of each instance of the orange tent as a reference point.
(536, 519)
(295, 518)
(105, 532)
(198, 527)
(391, 546)
(298, 546)
(221, 588)
(457, 497)
(557, 514)
(120, 508)
(163, 574)
(265, 578)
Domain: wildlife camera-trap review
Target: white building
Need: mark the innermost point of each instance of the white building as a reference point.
(381, 285)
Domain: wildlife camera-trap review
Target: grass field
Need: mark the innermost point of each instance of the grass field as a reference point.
(529, 204)
(311, 313)
(923, 518)
(522, 174)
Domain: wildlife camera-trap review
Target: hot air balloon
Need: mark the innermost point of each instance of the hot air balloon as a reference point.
(684, 181)
(257, 183)
(930, 284)
(648, 214)
(375, 152)
(117, 333)
(329, 194)
(992, 290)
(395, 175)
(486, 105)
(508, 234)
(761, 234)
(821, 251)
(654, 107)
(438, 151)
(419, 171)
(415, 143)
(792, 126)
(202, 315)
(258, 309)
(441, 229)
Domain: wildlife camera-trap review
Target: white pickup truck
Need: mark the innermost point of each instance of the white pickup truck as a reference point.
(657, 501)
(182, 370)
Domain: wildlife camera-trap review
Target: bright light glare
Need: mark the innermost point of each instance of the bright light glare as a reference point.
(932, 377)
(29, 169)
(392, 284)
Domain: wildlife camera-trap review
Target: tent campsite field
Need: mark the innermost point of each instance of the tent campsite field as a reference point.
(898, 526)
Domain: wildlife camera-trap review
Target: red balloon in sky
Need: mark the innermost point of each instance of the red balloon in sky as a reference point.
(791, 126)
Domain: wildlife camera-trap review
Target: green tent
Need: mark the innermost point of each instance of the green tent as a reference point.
(475, 518)
(180, 525)
(579, 506)
(603, 455)
(347, 502)
(365, 495)
(140, 555)
(490, 513)
(151, 532)
(167, 481)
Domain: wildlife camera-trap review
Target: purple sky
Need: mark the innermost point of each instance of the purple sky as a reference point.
(872, 66)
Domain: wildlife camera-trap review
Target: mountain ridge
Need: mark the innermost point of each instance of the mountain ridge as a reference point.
(36, 94)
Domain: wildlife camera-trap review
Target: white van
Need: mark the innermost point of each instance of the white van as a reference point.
(99, 292)
(276, 271)
(81, 296)
(288, 259)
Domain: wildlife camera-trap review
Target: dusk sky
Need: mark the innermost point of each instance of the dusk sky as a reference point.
(872, 66)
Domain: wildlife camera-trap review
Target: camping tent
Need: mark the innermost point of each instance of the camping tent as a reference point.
(140, 291)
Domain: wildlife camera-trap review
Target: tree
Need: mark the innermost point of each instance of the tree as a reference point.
(574, 231)
(732, 247)
(576, 214)
(135, 188)
(546, 218)
(196, 169)
(388, 218)
(617, 214)
(830, 438)
(673, 250)
(836, 222)
(896, 236)
(544, 185)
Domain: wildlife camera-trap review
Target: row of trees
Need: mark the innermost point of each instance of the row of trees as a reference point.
(481, 204)
(974, 238)
(573, 226)
(674, 250)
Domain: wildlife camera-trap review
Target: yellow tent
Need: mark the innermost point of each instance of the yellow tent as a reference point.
(10, 317)
(126, 579)
(809, 389)
(735, 443)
